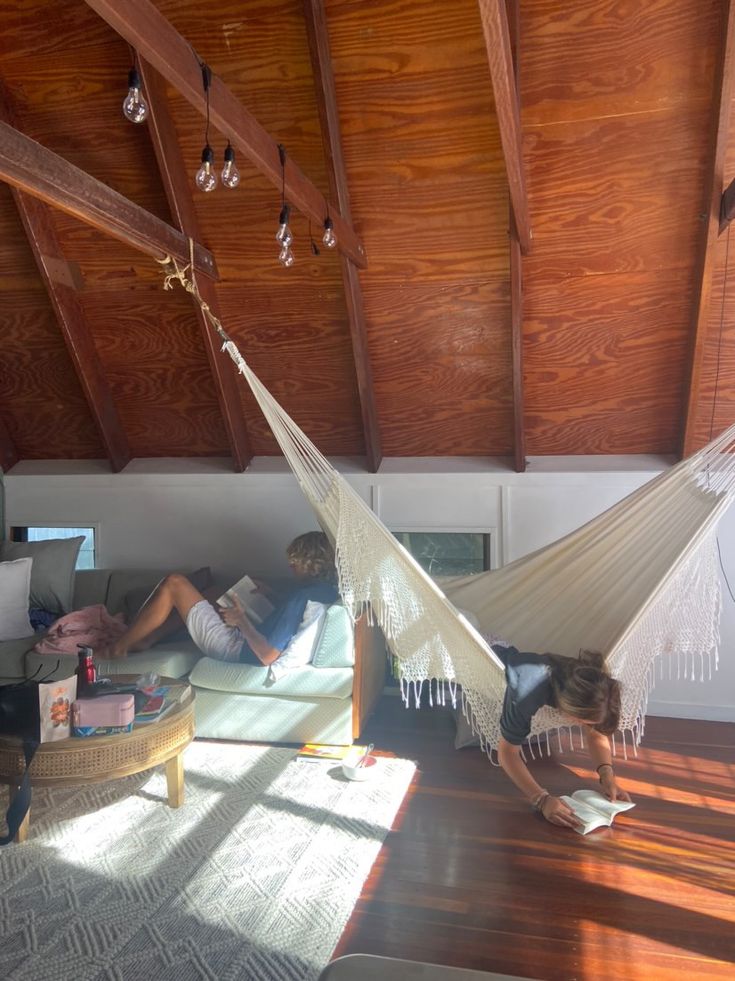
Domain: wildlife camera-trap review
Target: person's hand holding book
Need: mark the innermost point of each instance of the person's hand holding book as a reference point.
(235, 616)
(556, 811)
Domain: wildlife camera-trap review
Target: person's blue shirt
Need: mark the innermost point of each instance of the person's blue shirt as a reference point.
(280, 626)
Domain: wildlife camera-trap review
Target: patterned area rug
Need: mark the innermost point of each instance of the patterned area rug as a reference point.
(253, 879)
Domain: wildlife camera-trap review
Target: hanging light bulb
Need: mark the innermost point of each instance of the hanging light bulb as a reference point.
(285, 257)
(329, 239)
(230, 173)
(206, 179)
(134, 106)
(283, 235)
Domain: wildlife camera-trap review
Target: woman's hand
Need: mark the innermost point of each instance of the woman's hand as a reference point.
(609, 786)
(557, 812)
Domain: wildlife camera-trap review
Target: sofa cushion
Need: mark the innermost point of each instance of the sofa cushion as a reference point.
(52, 574)
(224, 715)
(134, 598)
(335, 646)
(131, 581)
(15, 585)
(13, 656)
(90, 587)
(250, 679)
(170, 660)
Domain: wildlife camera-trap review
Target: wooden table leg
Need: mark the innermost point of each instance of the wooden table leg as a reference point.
(22, 832)
(175, 780)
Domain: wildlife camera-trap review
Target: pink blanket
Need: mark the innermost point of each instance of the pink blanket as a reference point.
(92, 626)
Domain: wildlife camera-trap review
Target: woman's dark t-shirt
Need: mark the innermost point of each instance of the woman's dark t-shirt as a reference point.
(528, 688)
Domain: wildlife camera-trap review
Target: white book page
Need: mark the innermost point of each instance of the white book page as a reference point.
(595, 800)
(589, 817)
(256, 604)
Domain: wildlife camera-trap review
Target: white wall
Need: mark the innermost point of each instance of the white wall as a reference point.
(175, 514)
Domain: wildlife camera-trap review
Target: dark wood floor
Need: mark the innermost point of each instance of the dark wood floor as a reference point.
(470, 877)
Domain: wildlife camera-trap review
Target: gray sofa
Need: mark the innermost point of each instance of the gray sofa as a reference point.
(328, 701)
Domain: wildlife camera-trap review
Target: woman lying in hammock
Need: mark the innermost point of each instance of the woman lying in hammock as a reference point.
(229, 634)
(583, 690)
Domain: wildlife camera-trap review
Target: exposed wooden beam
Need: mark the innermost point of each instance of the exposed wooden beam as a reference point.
(43, 174)
(321, 63)
(62, 280)
(724, 89)
(158, 41)
(516, 278)
(178, 191)
(516, 334)
(8, 453)
(497, 43)
(75, 330)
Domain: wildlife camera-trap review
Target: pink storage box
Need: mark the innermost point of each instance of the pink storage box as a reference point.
(107, 710)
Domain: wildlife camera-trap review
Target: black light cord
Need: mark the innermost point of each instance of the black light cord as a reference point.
(282, 158)
(206, 82)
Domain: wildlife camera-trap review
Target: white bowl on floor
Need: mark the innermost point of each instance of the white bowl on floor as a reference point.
(354, 772)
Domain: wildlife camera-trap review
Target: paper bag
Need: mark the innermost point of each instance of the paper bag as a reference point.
(54, 701)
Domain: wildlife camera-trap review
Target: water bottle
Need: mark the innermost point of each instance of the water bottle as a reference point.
(86, 671)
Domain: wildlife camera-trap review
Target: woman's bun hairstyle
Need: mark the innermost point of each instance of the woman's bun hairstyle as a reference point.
(584, 688)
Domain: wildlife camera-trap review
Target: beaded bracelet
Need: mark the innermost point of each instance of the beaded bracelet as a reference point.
(539, 800)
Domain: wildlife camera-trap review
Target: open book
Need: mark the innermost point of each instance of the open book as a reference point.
(594, 810)
(256, 604)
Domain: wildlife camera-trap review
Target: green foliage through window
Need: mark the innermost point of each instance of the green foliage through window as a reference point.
(448, 553)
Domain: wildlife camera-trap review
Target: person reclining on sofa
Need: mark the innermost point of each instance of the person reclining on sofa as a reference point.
(229, 634)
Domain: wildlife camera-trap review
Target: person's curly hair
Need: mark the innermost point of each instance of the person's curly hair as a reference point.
(314, 553)
(584, 688)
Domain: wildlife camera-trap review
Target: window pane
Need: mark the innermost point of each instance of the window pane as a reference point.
(445, 553)
(85, 559)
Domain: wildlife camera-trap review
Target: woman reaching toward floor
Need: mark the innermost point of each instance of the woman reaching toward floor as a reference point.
(584, 692)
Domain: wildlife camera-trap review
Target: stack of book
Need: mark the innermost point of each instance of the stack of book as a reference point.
(159, 702)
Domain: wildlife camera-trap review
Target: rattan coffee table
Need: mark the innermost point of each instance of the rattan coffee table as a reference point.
(94, 759)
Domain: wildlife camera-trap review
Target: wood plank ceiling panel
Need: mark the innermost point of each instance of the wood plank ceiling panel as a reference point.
(615, 112)
(71, 101)
(429, 196)
(261, 52)
(41, 402)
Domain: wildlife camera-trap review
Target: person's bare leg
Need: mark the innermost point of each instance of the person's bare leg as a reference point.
(172, 624)
(175, 592)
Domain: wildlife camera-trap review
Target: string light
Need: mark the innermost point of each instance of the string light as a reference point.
(205, 178)
(134, 106)
(329, 238)
(230, 173)
(283, 235)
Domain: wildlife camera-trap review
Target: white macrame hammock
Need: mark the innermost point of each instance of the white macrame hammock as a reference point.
(640, 583)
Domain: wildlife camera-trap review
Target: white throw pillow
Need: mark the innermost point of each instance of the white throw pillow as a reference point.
(15, 588)
(301, 647)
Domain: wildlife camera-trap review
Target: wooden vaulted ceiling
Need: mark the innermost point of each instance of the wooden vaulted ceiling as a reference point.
(612, 334)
